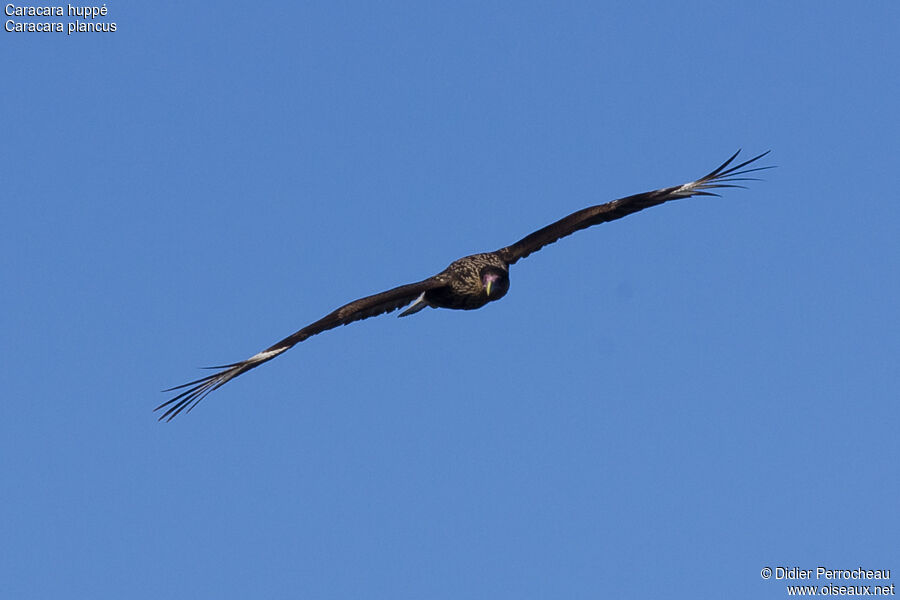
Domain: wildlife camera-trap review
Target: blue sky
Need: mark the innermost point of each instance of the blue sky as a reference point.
(660, 407)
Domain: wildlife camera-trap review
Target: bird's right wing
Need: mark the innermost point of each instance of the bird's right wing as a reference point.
(363, 308)
(723, 177)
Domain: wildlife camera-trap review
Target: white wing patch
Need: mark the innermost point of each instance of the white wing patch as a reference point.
(265, 355)
(416, 306)
(687, 188)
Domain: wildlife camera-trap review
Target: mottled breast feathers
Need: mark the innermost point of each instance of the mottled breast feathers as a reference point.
(465, 288)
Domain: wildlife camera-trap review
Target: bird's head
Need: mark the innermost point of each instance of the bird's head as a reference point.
(494, 282)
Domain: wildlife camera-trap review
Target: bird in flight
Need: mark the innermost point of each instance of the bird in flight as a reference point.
(468, 283)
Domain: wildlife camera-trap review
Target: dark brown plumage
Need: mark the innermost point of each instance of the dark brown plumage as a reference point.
(468, 283)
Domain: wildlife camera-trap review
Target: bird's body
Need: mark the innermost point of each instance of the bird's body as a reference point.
(467, 283)
(465, 287)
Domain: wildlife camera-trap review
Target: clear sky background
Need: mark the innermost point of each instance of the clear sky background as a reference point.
(660, 407)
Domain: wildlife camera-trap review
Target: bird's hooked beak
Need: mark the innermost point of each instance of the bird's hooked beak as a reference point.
(493, 285)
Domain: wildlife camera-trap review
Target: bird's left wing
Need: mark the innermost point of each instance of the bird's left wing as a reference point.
(723, 177)
(363, 308)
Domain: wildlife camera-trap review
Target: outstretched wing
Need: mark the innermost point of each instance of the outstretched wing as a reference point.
(363, 308)
(723, 177)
